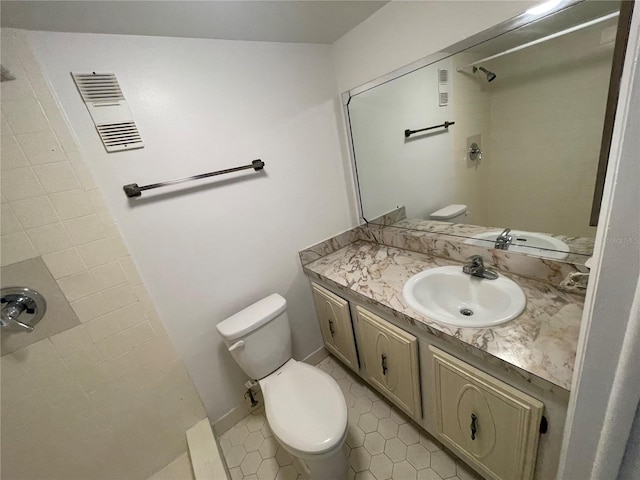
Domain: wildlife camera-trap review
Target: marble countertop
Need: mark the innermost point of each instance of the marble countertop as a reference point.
(542, 341)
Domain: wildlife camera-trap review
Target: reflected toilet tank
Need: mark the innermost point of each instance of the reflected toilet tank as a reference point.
(451, 213)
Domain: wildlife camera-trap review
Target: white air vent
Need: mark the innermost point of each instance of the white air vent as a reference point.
(443, 76)
(443, 87)
(103, 97)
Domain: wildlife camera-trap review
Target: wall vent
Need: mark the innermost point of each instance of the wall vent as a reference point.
(443, 76)
(109, 110)
(443, 87)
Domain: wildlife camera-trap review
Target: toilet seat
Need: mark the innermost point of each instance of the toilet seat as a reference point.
(305, 409)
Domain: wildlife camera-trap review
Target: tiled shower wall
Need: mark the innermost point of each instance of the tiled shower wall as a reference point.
(108, 398)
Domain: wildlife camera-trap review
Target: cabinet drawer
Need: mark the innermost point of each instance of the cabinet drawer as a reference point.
(489, 423)
(390, 357)
(335, 325)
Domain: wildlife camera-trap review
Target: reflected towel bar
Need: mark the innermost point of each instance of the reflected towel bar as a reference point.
(408, 133)
(133, 190)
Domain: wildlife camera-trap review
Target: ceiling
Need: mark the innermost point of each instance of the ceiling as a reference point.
(293, 21)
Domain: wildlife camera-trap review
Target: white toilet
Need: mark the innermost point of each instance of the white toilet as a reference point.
(451, 213)
(305, 407)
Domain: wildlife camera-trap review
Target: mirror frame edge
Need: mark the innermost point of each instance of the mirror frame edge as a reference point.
(619, 54)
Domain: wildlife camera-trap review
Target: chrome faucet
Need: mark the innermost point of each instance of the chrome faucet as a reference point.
(504, 240)
(476, 268)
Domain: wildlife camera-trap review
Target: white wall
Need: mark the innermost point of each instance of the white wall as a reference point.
(402, 32)
(204, 105)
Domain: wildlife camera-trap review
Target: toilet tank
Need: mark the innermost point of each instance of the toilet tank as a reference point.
(451, 213)
(259, 337)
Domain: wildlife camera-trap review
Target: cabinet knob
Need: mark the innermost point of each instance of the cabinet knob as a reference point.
(384, 364)
(474, 427)
(331, 330)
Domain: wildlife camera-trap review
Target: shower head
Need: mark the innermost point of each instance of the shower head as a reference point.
(5, 74)
(490, 75)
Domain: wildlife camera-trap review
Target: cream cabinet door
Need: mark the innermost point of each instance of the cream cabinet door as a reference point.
(489, 423)
(390, 357)
(335, 325)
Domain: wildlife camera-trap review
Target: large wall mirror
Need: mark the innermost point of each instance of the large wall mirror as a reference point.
(510, 127)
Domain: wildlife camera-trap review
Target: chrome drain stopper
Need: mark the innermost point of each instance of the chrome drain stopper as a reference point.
(466, 312)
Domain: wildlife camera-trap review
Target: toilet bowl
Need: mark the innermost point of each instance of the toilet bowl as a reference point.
(304, 406)
(451, 213)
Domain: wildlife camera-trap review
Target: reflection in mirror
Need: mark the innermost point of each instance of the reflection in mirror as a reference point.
(519, 125)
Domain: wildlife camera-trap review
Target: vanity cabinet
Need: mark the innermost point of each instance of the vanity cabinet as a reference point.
(335, 325)
(390, 360)
(490, 424)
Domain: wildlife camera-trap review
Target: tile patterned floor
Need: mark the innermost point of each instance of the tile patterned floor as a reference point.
(381, 444)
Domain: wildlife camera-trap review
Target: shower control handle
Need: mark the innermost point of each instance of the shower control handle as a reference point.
(475, 152)
(21, 302)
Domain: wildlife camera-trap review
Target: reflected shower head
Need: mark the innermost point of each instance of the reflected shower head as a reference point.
(5, 74)
(490, 75)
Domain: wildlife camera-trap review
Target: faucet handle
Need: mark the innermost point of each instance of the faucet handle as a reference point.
(476, 260)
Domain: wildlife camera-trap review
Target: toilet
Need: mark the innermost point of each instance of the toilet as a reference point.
(304, 406)
(451, 213)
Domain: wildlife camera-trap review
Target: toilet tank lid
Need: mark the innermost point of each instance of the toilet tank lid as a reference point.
(252, 317)
(449, 211)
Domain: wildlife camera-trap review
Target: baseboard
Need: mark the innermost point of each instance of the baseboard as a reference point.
(229, 419)
(316, 357)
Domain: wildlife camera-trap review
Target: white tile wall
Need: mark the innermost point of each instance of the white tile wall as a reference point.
(87, 398)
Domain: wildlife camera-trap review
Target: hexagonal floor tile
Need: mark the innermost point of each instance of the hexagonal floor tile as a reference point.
(349, 399)
(395, 450)
(443, 464)
(404, 471)
(238, 435)
(398, 416)
(359, 459)
(338, 372)
(374, 443)
(268, 469)
(266, 430)
(428, 442)
(283, 457)
(256, 422)
(366, 475)
(381, 466)
(358, 390)
(408, 434)
(428, 474)
(373, 395)
(388, 428)
(236, 473)
(250, 463)
(253, 441)
(362, 405)
(368, 423)
(287, 473)
(268, 448)
(235, 455)
(418, 456)
(355, 436)
(380, 409)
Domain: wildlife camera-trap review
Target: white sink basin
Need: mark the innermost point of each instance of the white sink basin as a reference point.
(446, 295)
(532, 243)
